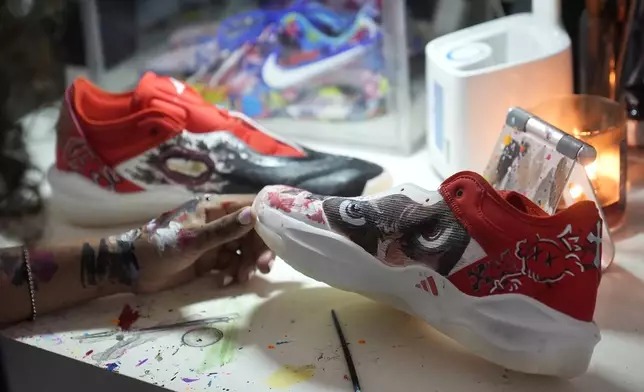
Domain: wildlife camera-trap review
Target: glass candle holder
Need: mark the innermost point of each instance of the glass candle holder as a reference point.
(601, 123)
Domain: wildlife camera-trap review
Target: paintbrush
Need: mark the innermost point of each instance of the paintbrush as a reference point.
(347, 353)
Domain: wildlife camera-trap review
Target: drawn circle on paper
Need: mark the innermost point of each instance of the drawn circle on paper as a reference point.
(202, 337)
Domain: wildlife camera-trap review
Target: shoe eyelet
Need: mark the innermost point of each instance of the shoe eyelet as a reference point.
(459, 193)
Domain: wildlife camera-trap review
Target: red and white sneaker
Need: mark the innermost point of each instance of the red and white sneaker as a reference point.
(491, 270)
(130, 156)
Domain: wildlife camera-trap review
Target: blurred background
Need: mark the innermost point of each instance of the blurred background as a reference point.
(215, 45)
(435, 76)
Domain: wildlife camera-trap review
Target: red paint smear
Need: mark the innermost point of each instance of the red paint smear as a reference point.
(128, 317)
(317, 217)
(185, 237)
(346, 377)
(285, 204)
(182, 218)
(88, 353)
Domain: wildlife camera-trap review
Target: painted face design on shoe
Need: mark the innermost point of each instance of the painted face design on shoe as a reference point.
(200, 162)
(299, 204)
(400, 231)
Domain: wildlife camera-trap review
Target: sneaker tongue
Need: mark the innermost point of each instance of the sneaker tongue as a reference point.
(175, 98)
(181, 101)
(152, 88)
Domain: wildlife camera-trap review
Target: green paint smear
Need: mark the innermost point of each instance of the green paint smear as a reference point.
(229, 347)
(222, 352)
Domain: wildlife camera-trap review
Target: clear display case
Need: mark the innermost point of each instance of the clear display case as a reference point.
(330, 71)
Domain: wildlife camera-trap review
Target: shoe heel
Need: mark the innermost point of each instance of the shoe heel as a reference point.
(524, 335)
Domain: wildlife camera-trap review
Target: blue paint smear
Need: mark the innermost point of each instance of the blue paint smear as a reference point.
(251, 106)
(210, 383)
(189, 380)
(282, 342)
(112, 366)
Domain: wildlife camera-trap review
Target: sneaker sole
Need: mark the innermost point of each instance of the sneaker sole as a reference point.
(83, 203)
(514, 331)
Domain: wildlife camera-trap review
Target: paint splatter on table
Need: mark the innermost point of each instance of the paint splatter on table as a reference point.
(180, 341)
(288, 376)
(289, 313)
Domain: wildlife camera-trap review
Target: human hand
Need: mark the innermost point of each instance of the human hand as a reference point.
(200, 236)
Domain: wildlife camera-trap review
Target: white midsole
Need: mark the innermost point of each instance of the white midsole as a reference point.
(84, 203)
(512, 330)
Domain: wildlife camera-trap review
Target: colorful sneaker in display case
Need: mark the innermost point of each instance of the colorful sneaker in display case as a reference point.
(206, 48)
(200, 51)
(305, 61)
(300, 61)
(130, 156)
(184, 61)
(490, 269)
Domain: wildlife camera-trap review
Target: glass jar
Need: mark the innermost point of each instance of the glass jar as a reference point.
(600, 122)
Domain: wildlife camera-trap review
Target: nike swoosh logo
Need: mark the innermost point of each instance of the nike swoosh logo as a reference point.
(278, 77)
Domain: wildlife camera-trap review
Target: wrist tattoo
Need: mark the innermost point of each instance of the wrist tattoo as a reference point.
(115, 260)
(13, 268)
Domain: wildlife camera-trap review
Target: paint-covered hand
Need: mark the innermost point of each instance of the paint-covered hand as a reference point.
(200, 236)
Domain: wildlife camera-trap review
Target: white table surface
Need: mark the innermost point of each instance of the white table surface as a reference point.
(283, 339)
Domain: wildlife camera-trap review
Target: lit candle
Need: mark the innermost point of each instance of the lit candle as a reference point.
(577, 192)
(605, 172)
(601, 123)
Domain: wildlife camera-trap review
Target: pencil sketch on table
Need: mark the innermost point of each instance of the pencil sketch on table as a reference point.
(127, 340)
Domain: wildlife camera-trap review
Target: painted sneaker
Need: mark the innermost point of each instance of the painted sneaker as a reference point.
(303, 55)
(491, 270)
(130, 156)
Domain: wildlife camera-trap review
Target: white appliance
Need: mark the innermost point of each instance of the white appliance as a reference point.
(476, 74)
(548, 10)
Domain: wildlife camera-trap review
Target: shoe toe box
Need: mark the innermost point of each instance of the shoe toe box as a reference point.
(290, 202)
(352, 178)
